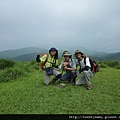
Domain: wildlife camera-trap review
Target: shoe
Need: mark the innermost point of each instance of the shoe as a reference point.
(73, 83)
(69, 80)
(46, 84)
(54, 81)
(88, 87)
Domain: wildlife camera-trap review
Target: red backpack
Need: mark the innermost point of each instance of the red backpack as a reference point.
(94, 65)
(42, 64)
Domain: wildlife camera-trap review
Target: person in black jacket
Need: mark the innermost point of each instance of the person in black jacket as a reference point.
(85, 70)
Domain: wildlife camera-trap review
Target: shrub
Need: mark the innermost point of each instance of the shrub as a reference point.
(112, 63)
(19, 70)
(103, 65)
(6, 63)
(118, 67)
(11, 74)
(32, 62)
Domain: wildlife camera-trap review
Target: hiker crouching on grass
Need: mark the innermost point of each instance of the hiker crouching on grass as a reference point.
(69, 65)
(85, 70)
(50, 66)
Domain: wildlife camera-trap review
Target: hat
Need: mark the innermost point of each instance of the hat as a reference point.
(78, 52)
(52, 49)
(67, 54)
(64, 53)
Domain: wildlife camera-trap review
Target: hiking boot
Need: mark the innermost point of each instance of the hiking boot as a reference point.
(54, 81)
(73, 83)
(69, 80)
(46, 84)
(88, 87)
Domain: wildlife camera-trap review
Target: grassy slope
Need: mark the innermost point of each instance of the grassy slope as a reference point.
(22, 97)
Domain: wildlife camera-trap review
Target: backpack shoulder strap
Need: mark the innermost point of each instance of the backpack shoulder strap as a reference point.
(72, 61)
(85, 60)
(46, 59)
(79, 62)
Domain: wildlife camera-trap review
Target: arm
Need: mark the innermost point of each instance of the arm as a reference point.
(38, 57)
(87, 66)
(61, 65)
(56, 65)
(71, 68)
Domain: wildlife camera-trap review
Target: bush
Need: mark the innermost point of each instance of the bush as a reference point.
(25, 66)
(112, 63)
(103, 65)
(118, 67)
(11, 74)
(6, 63)
(19, 70)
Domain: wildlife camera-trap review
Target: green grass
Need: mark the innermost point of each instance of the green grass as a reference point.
(23, 97)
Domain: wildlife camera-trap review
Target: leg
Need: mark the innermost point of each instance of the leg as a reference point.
(81, 80)
(57, 75)
(88, 75)
(46, 78)
(66, 76)
(73, 77)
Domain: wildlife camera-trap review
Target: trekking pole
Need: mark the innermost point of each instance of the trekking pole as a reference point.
(37, 76)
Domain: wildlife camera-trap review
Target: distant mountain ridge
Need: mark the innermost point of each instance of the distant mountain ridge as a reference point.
(29, 53)
(18, 52)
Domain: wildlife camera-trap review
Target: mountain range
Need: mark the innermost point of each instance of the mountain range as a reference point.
(29, 53)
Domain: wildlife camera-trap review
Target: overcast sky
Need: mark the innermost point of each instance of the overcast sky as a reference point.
(93, 24)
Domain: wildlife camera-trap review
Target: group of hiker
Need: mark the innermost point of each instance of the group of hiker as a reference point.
(69, 67)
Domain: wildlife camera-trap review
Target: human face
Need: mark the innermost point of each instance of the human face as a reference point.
(79, 56)
(53, 53)
(66, 58)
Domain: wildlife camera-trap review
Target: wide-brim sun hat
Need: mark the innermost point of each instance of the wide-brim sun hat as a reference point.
(64, 53)
(78, 52)
(67, 54)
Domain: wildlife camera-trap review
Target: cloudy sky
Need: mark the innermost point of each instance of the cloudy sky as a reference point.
(93, 24)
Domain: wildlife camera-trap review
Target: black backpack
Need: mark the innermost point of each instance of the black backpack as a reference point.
(94, 65)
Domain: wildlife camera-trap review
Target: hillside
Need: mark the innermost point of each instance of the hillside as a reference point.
(18, 52)
(25, 57)
(29, 53)
(32, 56)
(111, 56)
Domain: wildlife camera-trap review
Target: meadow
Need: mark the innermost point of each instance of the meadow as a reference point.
(19, 94)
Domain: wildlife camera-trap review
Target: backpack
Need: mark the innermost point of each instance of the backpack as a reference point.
(94, 65)
(43, 63)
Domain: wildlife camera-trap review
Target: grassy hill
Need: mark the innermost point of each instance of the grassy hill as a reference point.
(111, 56)
(21, 96)
(18, 52)
(29, 53)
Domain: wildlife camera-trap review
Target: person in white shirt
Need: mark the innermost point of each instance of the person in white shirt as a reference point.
(85, 70)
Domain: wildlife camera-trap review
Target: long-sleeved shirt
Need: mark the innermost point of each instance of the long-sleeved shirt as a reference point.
(84, 64)
(71, 62)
